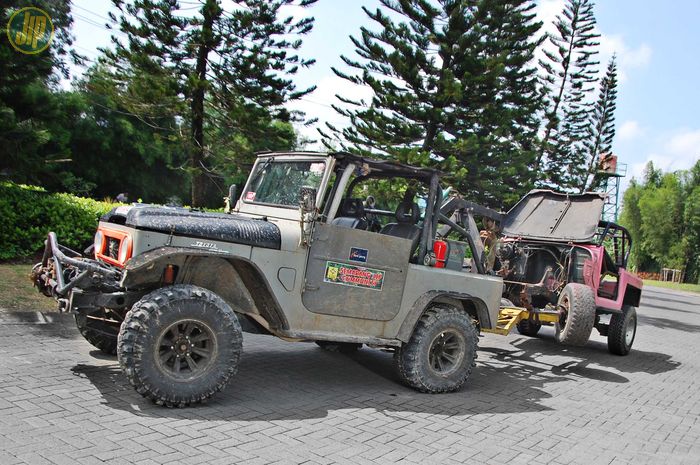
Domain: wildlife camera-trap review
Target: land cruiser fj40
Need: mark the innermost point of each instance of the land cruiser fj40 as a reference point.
(332, 248)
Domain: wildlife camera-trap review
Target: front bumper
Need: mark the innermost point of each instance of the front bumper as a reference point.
(79, 283)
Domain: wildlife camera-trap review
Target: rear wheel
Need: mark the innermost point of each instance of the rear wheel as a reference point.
(622, 331)
(576, 308)
(180, 345)
(100, 327)
(441, 353)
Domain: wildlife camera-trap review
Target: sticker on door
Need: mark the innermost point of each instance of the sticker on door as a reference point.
(354, 276)
(358, 255)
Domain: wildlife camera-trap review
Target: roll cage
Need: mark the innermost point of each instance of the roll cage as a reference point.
(369, 168)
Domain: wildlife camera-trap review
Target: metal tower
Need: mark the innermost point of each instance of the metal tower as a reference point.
(611, 172)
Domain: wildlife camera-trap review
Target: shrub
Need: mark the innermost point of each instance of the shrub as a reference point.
(28, 213)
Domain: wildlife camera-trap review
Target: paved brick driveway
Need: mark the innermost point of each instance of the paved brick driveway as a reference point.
(528, 401)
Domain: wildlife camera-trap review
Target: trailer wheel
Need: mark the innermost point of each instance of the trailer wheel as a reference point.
(622, 330)
(179, 345)
(441, 352)
(100, 327)
(342, 347)
(577, 314)
(528, 328)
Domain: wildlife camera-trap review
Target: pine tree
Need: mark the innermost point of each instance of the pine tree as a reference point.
(601, 128)
(453, 87)
(215, 70)
(568, 74)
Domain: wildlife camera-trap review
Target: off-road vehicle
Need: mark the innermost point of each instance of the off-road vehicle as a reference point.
(556, 256)
(332, 248)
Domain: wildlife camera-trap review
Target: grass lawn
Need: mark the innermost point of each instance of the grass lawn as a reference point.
(17, 292)
(676, 286)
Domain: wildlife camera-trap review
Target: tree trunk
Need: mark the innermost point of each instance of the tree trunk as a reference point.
(560, 94)
(432, 126)
(199, 178)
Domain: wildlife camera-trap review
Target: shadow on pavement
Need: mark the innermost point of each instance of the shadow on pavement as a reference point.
(282, 381)
(61, 325)
(304, 382)
(665, 308)
(594, 352)
(666, 323)
(308, 383)
(663, 297)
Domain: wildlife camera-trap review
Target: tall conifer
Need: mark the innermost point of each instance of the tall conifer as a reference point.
(601, 128)
(213, 69)
(569, 72)
(454, 87)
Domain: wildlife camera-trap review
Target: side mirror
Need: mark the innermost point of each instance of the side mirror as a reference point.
(307, 199)
(307, 207)
(230, 201)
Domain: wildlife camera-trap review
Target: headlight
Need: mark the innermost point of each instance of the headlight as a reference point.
(125, 250)
(99, 242)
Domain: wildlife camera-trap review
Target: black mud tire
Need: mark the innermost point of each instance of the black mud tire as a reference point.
(577, 304)
(206, 345)
(341, 347)
(98, 332)
(441, 329)
(622, 331)
(528, 328)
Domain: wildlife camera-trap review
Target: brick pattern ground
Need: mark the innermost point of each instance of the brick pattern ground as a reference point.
(528, 401)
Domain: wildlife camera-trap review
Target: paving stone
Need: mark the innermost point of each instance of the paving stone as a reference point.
(529, 400)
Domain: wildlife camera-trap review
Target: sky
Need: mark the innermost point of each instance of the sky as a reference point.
(657, 45)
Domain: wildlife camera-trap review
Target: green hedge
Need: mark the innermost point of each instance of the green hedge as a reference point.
(28, 213)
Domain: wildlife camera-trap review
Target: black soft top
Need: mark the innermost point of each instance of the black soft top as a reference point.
(387, 167)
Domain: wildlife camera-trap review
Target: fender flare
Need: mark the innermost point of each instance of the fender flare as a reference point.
(146, 269)
(478, 309)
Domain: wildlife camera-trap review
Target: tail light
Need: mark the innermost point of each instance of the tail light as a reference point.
(113, 246)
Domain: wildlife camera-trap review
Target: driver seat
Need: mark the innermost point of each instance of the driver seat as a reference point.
(407, 214)
(352, 213)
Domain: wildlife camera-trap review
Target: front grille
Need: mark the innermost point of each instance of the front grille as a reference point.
(112, 248)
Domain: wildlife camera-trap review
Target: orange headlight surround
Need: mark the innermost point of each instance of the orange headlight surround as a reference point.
(125, 247)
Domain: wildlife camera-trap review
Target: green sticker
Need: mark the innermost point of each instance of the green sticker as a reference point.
(355, 276)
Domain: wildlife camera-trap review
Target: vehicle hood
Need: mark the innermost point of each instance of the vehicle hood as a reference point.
(553, 216)
(196, 224)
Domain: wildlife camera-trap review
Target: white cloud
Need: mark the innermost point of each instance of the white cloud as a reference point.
(680, 152)
(547, 11)
(629, 130)
(318, 105)
(639, 57)
(662, 162)
(628, 58)
(685, 144)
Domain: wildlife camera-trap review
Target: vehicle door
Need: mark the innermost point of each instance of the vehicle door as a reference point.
(355, 273)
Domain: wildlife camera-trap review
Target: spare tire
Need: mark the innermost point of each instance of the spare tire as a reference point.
(100, 327)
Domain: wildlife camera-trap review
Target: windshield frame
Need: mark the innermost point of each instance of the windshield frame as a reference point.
(282, 158)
